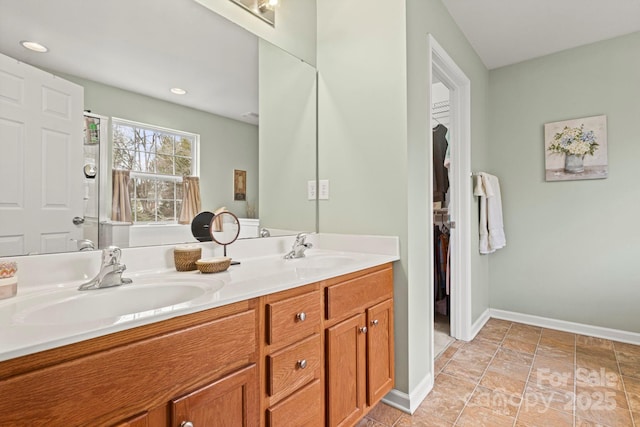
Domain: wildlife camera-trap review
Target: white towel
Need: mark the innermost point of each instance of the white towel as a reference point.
(492, 235)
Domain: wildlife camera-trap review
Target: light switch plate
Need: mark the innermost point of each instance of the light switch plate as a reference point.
(323, 190)
(311, 190)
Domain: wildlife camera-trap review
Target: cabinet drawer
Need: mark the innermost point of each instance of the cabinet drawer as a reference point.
(303, 408)
(353, 296)
(294, 366)
(293, 318)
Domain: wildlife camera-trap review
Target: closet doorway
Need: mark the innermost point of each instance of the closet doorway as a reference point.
(442, 224)
(450, 119)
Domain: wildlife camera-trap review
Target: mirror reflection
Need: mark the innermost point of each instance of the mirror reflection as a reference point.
(225, 228)
(123, 168)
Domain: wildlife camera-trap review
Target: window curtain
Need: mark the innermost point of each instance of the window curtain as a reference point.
(217, 220)
(121, 202)
(191, 203)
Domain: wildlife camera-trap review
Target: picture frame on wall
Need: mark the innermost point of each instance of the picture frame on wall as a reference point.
(239, 185)
(576, 149)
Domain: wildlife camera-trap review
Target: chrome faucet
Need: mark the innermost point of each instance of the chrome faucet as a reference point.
(110, 273)
(299, 246)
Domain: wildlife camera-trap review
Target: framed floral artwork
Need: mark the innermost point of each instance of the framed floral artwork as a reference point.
(576, 149)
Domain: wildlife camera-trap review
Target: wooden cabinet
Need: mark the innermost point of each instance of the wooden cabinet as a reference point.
(292, 318)
(302, 408)
(380, 360)
(137, 421)
(229, 401)
(316, 355)
(346, 370)
(293, 356)
(359, 344)
(121, 376)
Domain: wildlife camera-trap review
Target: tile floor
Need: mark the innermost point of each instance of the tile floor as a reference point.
(441, 337)
(524, 376)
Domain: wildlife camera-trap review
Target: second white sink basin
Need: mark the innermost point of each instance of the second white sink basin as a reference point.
(318, 264)
(118, 304)
(323, 261)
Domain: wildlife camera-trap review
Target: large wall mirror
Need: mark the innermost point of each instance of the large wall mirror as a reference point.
(247, 122)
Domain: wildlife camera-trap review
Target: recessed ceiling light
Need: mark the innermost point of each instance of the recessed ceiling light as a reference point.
(178, 91)
(34, 46)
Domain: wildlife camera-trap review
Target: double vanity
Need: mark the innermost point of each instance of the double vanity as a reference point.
(269, 342)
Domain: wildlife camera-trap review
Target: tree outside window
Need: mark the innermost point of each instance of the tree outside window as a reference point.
(158, 159)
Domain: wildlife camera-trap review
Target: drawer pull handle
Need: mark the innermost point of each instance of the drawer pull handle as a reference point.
(363, 329)
(186, 424)
(302, 364)
(301, 316)
(374, 322)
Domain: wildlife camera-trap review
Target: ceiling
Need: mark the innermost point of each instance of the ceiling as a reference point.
(505, 32)
(145, 46)
(150, 46)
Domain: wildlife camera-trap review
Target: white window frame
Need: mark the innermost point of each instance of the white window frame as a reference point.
(195, 160)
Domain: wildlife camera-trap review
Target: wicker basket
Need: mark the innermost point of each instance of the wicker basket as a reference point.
(185, 257)
(213, 265)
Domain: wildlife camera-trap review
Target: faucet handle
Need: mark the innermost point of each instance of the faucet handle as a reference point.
(111, 255)
(300, 238)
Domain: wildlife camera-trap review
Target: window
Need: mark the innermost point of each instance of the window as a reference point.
(158, 158)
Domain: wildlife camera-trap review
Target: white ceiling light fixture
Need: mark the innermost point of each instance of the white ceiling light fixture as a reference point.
(178, 91)
(264, 5)
(263, 9)
(34, 46)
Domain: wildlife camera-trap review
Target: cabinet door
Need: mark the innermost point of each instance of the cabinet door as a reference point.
(346, 361)
(380, 367)
(138, 421)
(232, 401)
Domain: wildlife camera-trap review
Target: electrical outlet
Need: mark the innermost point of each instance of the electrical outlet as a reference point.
(311, 190)
(323, 190)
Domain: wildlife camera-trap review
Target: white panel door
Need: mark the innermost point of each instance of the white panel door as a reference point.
(40, 160)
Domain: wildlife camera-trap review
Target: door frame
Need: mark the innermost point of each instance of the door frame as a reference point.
(445, 68)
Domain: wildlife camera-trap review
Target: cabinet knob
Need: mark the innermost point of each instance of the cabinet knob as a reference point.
(186, 424)
(374, 322)
(302, 364)
(301, 316)
(363, 330)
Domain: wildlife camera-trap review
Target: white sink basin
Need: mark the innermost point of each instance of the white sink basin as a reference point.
(323, 262)
(316, 265)
(118, 304)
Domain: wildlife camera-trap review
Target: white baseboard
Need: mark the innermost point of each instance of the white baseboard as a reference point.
(478, 324)
(409, 402)
(562, 325)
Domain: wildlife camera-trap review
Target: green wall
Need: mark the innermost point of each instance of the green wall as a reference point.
(362, 147)
(374, 81)
(572, 247)
(424, 18)
(287, 100)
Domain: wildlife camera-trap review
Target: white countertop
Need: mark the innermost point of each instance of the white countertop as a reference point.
(48, 315)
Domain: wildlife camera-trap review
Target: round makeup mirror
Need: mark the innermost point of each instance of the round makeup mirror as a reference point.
(225, 229)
